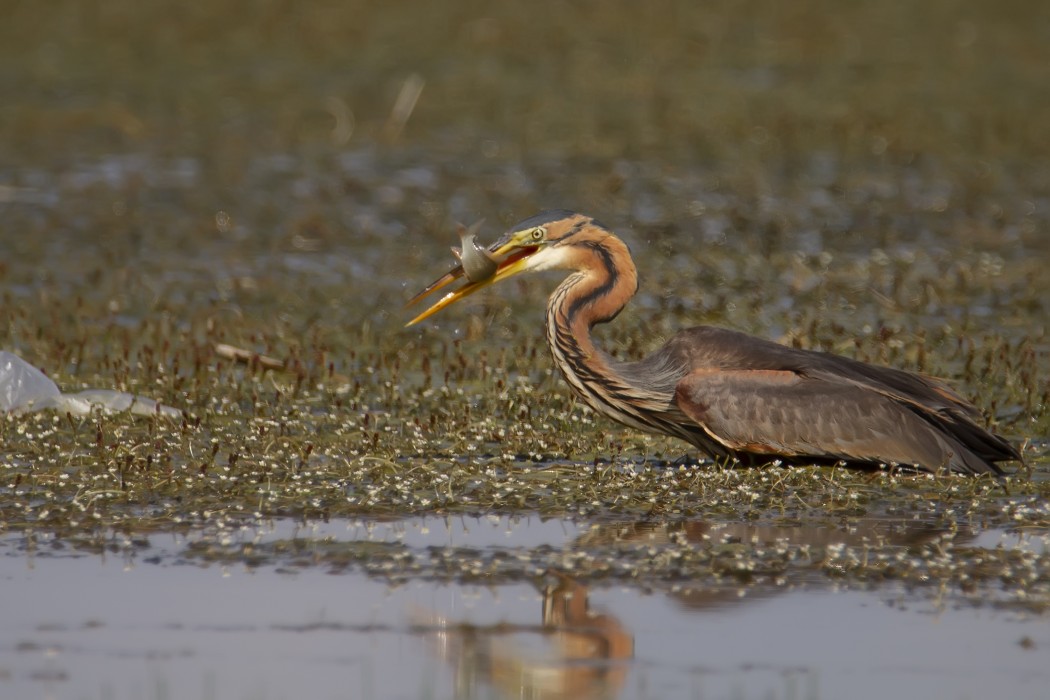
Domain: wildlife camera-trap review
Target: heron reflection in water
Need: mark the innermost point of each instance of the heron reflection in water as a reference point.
(575, 653)
(580, 651)
(730, 395)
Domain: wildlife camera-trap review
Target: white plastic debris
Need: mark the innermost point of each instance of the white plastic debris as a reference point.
(24, 388)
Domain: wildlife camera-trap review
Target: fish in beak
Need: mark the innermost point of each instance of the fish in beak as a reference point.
(477, 263)
(481, 267)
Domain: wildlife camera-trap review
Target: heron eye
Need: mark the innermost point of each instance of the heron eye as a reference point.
(538, 234)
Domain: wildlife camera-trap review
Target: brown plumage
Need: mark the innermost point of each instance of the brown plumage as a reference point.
(730, 394)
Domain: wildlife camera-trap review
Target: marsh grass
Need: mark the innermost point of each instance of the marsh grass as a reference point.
(865, 179)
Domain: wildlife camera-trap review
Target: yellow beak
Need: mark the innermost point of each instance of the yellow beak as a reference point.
(514, 262)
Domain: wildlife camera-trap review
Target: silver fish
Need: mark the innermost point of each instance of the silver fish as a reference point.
(477, 263)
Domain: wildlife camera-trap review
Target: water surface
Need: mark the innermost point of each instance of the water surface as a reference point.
(161, 624)
(384, 512)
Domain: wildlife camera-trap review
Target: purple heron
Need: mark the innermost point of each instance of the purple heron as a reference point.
(730, 395)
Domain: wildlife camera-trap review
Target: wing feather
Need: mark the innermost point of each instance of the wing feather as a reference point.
(751, 396)
(785, 413)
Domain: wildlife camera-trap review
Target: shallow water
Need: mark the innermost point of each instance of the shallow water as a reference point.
(381, 512)
(157, 625)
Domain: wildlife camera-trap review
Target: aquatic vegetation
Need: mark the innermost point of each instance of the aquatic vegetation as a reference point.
(234, 214)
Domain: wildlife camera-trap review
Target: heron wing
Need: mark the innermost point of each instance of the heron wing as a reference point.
(707, 347)
(783, 412)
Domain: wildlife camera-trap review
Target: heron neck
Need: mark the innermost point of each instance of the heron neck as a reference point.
(637, 394)
(603, 282)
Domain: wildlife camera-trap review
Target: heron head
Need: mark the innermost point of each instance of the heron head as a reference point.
(537, 243)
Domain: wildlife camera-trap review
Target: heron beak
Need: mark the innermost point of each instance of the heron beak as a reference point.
(512, 260)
